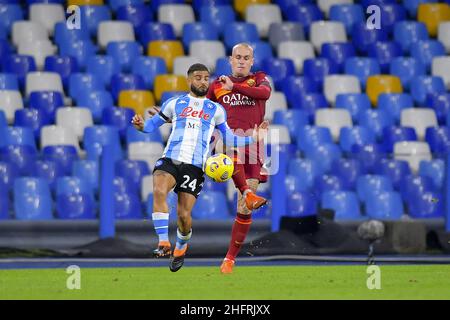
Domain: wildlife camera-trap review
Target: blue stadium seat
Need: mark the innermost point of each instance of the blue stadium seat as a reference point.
(394, 134)
(427, 205)
(121, 81)
(413, 186)
(22, 157)
(62, 155)
(118, 117)
(63, 35)
(223, 66)
(211, 206)
(292, 119)
(148, 68)
(338, 53)
(34, 119)
(87, 170)
(385, 52)
(369, 155)
(81, 84)
(355, 103)
(362, 67)
(137, 14)
(348, 14)
(391, 13)
(48, 170)
(8, 173)
(261, 50)
(20, 65)
(17, 136)
(198, 31)
(362, 36)
(348, 170)
(70, 185)
(324, 155)
(376, 121)
(422, 86)
(154, 31)
(80, 50)
(96, 137)
(357, 135)
(438, 139)
(198, 4)
(32, 199)
(218, 16)
(328, 182)
(127, 205)
(156, 3)
(344, 203)
(296, 87)
(133, 135)
(385, 206)
(295, 184)
(63, 65)
(371, 184)
(425, 50)
(10, 13)
(4, 204)
(310, 137)
(440, 103)
(412, 5)
(279, 69)
(9, 81)
(434, 169)
(116, 4)
(240, 32)
(103, 67)
(5, 47)
(3, 120)
(407, 32)
(317, 69)
(405, 68)
(310, 102)
(305, 170)
(301, 204)
(124, 53)
(394, 103)
(74, 199)
(133, 171)
(367, 3)
(47, 102)
(305, 14)
(96, 101)
(394, 169)
(93, 15)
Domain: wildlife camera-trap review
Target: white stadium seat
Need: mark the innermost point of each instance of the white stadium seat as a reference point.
(440, 67)
(276, 101)
(149, 152)
(146, 187)
(109, 31)
(10, 101)
(337, 84)
(444, 35)
(177, 15)
(28, 31)
(333, 119)
(419, 119)
(270, 12)
(39, 50)
(326, 31)
(297, 51)
(207, 51)
(413, 152)
(54, 135)
(75, 118)
(182, 64)
(43, 81)
(48, 14)
(325, 5)
(277, 134)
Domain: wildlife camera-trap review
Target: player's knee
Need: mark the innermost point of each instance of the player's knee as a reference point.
(183, 214)
(159, 194)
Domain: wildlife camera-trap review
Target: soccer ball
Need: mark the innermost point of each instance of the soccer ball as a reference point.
(219, 167)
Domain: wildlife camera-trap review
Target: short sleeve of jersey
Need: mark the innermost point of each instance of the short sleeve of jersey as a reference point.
(168, 108)
(220, 115)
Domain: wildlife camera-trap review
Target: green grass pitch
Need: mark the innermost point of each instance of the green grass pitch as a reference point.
(206, 283)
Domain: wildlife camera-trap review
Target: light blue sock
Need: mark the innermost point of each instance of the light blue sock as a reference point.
(182, 240)
(161, 225)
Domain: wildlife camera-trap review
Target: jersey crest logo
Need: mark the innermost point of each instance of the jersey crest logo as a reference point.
(251, 82)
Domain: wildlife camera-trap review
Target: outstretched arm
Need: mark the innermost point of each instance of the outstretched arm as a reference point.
(149, 125)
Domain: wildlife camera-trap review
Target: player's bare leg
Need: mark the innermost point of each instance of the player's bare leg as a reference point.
(240, 229)
(186, 202)
(163, 182)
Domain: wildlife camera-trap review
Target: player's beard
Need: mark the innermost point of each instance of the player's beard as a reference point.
(199, 92)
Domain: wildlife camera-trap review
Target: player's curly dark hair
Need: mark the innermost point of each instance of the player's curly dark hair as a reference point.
(197, 67)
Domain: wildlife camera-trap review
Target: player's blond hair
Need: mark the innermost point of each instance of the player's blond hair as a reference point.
(242, 44)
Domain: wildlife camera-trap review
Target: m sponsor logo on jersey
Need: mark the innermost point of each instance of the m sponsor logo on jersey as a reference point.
(237, 99)
(190, 112)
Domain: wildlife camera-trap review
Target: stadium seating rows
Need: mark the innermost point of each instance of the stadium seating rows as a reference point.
(365, 110)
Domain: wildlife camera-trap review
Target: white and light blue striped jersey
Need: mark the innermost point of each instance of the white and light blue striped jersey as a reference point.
(193, 123)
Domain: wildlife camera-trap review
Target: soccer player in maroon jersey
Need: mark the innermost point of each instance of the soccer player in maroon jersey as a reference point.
(243, 95)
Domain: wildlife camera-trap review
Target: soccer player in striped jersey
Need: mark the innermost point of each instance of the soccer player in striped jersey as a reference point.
(193, 119)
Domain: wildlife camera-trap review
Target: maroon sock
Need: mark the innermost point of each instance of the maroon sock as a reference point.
(239, 175)
(240, 229)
